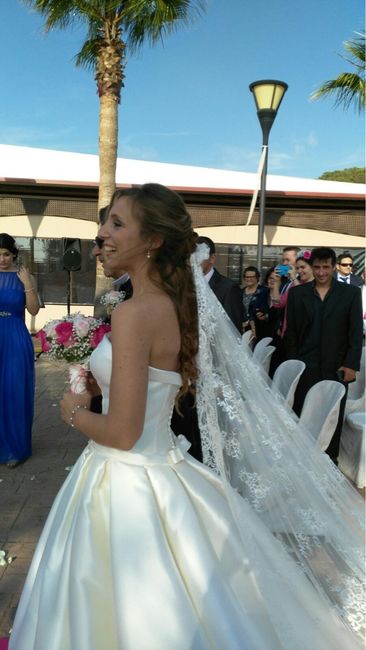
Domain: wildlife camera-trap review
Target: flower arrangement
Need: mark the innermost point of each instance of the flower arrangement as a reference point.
(72, 339)
(111, 299)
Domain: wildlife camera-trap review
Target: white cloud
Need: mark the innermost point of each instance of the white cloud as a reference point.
(126, 150)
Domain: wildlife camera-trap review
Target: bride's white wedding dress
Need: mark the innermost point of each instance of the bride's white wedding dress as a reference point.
(141, 552)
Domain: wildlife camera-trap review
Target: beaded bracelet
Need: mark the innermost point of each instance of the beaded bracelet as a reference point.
(73, 412)
(28, 290)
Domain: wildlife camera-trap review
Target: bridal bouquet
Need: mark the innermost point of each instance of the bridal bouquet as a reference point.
(111, 299)
(72, 339)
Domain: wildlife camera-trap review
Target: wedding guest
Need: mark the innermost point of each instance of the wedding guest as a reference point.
(344, 270)
(226, 290)
(184, 419)
(255, 303)
(17, 293)
(271, 324)
(145, 547)
(324, 329)
(301, 274)
(122, 282)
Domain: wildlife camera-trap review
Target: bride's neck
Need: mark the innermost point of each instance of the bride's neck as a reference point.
(143, 282)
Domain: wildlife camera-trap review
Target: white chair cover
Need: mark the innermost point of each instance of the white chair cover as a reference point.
(352, 451)
(320, 412)
(286, 378)
(356, 397)
(264, 357)
(247, 338)
(357, 388)
(262, 344)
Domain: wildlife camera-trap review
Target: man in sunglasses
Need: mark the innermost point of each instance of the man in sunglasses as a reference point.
(344, 270)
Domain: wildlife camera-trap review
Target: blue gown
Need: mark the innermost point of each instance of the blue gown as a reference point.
(16, 372)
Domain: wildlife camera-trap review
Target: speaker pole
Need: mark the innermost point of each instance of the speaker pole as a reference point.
(68, 291)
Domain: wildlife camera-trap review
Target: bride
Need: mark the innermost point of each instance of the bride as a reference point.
(147, 549)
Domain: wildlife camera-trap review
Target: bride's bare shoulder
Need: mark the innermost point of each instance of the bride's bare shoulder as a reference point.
(146, 308)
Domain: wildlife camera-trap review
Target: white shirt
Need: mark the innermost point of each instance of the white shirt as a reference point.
(343, 278)
(122, 280)
(209, 275)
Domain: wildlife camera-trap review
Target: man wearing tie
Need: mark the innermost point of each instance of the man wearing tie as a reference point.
(344, 270)
(226, 290)
(229, 294)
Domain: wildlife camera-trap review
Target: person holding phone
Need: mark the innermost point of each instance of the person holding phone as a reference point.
(255, 303)
(17, 293)
(301, 273)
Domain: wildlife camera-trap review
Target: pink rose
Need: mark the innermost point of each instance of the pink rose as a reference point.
(45, 346)
(69, 343)
(98, 334)
(81, 326)
(307, 255)
(63, 332)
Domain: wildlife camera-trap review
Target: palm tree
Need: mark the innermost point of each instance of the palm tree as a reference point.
(349, 87)
(112, 28)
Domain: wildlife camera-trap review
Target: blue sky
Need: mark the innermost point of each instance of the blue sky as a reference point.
(187, 101)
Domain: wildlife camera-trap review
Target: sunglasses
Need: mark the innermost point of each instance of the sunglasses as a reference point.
(347, 264)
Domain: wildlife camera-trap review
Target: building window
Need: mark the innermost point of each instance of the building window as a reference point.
(43, 257)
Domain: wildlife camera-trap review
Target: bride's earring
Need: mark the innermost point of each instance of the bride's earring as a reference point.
(148, 254)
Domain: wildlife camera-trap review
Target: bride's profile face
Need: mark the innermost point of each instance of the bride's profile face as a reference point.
(123, 245)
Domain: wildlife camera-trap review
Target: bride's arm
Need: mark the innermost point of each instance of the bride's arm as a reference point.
(122, 426)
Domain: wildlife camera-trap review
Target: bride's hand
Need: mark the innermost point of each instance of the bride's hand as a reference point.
(69, 403)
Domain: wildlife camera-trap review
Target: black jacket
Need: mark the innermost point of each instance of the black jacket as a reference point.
(229, 294)
(354, 280)
(342, 326)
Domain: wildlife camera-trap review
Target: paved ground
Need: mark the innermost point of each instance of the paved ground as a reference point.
(27, 492)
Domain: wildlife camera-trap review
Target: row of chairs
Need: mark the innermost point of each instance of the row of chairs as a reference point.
(320, 412)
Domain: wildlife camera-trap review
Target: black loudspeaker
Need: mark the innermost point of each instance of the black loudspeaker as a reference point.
(71, 257)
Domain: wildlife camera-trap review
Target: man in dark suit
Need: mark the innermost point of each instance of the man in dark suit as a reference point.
(344, 270)
(226, 290)
(324, 329)
(230, 296)
(121, 283)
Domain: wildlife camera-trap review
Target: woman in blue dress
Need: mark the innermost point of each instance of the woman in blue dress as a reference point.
(17, 293)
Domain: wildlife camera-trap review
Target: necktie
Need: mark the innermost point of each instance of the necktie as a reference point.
(345, 280)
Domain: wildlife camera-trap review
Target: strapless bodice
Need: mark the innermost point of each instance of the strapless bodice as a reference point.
(156, 437)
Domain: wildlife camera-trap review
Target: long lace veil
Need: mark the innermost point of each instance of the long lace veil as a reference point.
(255, 443)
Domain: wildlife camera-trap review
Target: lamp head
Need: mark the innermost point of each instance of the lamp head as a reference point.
(268, 95)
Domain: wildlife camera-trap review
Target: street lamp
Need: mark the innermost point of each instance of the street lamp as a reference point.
(268, 95)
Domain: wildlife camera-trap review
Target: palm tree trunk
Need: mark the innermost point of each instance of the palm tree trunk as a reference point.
(108, 143)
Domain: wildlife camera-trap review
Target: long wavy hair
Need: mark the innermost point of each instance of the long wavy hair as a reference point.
(162, 212)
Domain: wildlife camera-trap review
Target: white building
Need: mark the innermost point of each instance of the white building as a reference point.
(47, 195)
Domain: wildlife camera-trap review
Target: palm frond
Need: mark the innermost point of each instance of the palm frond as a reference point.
(87, 56)
(348, 88)
(152, 20)
(59, 13)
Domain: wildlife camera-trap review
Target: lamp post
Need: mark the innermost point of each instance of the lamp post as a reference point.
(268, 95)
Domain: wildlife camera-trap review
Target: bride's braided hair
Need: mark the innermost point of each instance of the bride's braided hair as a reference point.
(162, 212)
